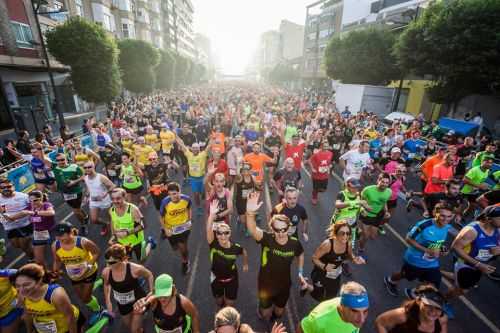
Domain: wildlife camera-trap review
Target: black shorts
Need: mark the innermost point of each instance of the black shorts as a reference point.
(320, 185)
(227, 289)
(392, 203)
(23, 232)
(134, 191)
(77, 202)
(372, 221)
(137, 250)
(174, 240)
(88, 280)
(273, 295)
(431, 275)
(125, 309)
(467, 277)
(157, 199)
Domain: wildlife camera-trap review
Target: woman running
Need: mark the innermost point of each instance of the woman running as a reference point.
(42, 215)
(78, 255)
(172, 311)
(243, 185)
(228, 320)
(223, 255)
(122, 279)
(10, 313)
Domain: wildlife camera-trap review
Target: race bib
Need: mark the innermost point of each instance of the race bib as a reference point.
(291, 230)
(411, 155)
(111, 173)
(323, 169)
(39, 175)
(36, 219)
(70, 196)
(484, 255)
(129, 179)
(124, 298)
(336, 146)
(427, 257)
(195, 168)
(175, 330)
(181, 228)
(45, 326)
(335, 273)
(41, 235)
(76, 271)
(245, 193)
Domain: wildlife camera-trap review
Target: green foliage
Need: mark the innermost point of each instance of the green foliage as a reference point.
(165, 71)
(362, 57)
(92, 56)
(138, 60)
(181, 69)
(282, 73)
(458, 44)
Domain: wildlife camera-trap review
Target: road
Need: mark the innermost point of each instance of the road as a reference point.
(479, 312)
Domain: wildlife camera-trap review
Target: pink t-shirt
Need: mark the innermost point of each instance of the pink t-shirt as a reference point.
(395, 188)
(391, 167)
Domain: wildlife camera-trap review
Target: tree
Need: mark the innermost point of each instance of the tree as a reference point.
(165, 71)
(181, 70)
(92, 55)
(362, 57)
(458, 44)
(138, 60)
(282, 73)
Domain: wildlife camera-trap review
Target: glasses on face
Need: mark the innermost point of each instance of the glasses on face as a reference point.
(5, 187)
(60, 160)
(87, 166)
(223, 233)
(446, 216)
(343, 233)
(280, 230)
(36, 199)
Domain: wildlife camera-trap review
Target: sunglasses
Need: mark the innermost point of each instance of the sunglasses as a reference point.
(60, 160)
(5, 187)
(87, 167)
(280, 230)
(223, 233)
(36, 199)
(343, 233)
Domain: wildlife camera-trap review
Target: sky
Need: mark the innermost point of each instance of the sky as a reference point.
(234, 26)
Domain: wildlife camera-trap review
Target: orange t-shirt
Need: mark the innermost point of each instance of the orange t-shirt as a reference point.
(441, 172)
(428, 166)
(257, 162)
(218, 142)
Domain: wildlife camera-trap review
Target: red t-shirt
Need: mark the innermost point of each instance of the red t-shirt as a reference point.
(320, 164)
(221, 167)
(441, 172)
(295, 152)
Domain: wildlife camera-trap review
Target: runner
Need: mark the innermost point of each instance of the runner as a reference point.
(422, 314)
(235, 158)
(47, 305)
(278, 252)
(295, 149)
(320, 163)
(295, 212)
(41, 167)
(344, 314)
(355, 161)
(98, 189)
(475, 181)
(131, 174)
(216, 191)
(258, 161)
(10, 313)
(244, 185)
(328, 259)
(79, 256)
(111, 157)
(223, 254)
(172, 311)
(175, 222)
(426, 245)
(286, 177)
(127, 226)
(158, 178)
(122, 280)
(42, 217)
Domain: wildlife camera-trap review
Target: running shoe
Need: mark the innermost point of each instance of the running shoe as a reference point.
(410, 293)
(151, 241)
(346, 270)
(494, 276)
(199, 211)
(97, 284)
(314, 202)
(392, 288)
(186, 267)
(409, 205)
(381, 230)
(84, 230)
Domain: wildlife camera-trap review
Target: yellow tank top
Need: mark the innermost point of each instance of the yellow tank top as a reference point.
(81, 158)
(7, 293)
(46, 318)
(153, 141)
(127, 145)
(76, 260)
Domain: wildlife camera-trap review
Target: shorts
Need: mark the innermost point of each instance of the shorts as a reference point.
(10, 317)
(372, 221)
(134, 191)
(196, 184)
(227, 289)
(125, 309)
(158, 198)
(22, 232)
(273, 295)
(103, 204)
(46, 181)
(324, 288)
(320, 185)
(43, 242)
(432, 275)
(392, 203)
(467, 277)
(174, 240)
(137, 250)
(88, 280)
(77, 202)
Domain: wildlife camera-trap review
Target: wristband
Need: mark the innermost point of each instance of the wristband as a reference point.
(301, 272)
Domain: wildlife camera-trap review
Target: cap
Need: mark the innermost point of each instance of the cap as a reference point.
(62, 228)
(354, 182)
(432, 298)
(195, 145)
(395, 150)
(163, 285)
(489, 212)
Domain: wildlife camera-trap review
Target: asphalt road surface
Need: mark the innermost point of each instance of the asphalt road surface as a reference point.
(478, 312)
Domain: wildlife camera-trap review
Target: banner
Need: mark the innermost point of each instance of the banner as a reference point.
(22, 178)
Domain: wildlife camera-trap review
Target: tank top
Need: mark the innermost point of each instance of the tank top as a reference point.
(243, 189)
(130, 179)
(76, 260)
(222, 204)
(42, 223)
(412, 327)
(350, 212)
(479, 249)
(96, 188)
(177, 322)
(40, 170)
(46, 318)
(128, 290)
(8, 293)
(126, 221)
(333, 258)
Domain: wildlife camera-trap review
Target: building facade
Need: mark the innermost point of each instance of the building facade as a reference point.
(291, 40)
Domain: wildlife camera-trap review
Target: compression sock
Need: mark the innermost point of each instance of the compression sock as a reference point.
(93, 304)
(98, 326)
(97, 284)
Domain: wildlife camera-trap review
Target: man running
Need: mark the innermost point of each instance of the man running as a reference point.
(295, 212)
(320, 162)
(286, 177)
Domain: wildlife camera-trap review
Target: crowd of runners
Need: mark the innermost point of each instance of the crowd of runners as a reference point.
(226, 146)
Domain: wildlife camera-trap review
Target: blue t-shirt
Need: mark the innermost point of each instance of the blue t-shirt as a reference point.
(411, 148)
(250, 135)
(429, 235)
(375, 147)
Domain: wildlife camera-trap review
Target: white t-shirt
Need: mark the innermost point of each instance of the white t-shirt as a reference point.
(355, 163)
(13, 205)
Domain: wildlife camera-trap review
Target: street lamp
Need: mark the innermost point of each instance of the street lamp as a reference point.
(35, 5)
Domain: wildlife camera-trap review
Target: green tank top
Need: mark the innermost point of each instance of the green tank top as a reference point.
(349, 212)
(130, 178)
(126, 222)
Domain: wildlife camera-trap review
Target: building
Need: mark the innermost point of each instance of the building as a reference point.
(323, 20)
(184, 33)
(291, 40)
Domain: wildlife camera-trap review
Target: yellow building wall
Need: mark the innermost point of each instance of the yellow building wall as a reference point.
(417, 100)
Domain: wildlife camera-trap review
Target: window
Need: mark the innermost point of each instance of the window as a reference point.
(125, 31)
(311, 36)
(79, 7)
(324, 33)
(23, 34)
(106, 21)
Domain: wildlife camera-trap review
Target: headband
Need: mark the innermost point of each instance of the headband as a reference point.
(355, 301)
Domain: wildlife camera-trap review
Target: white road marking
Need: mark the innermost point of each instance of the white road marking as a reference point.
(67, 217)
(464, 300)
(194, 268)
(293, 313)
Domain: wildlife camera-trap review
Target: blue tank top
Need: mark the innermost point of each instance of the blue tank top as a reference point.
(480, 247)
(101, 140)
(39, 170)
